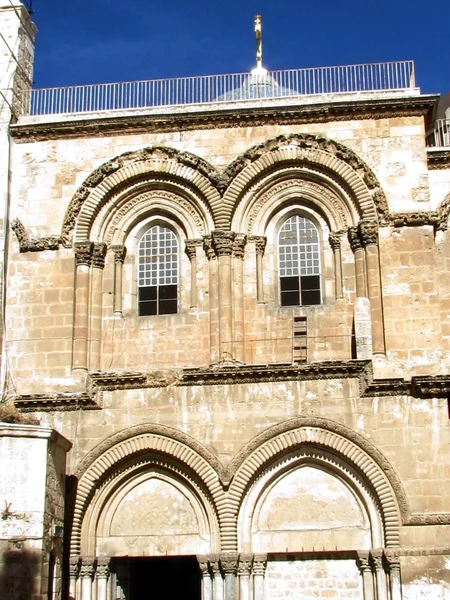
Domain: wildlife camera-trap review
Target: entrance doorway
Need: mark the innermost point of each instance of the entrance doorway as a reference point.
(168, 577)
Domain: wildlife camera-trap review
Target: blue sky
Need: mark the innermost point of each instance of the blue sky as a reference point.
(99, 41)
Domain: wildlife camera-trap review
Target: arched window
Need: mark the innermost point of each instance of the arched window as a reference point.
(158, 272)
(299, 262)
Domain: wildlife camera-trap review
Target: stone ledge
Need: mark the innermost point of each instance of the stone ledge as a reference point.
(57, 402)
(438, 158)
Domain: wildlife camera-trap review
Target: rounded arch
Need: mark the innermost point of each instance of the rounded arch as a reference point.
(108, 467)
(443, 211)
(315, 158)
(352, 452)
(130, 168)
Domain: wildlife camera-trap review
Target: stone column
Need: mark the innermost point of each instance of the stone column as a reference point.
(95, 332)
(367, 575)
(259, 571)
(360, 262)
(83, 259)
(102, 576)
(369, 237)
(394, 577)
(229, 562)
(223, 245)
(238, 279)
(260, 246)
(213, 298)
(218, 590)
(207, 586)
(380, 575)
(87, 571)
(191, 251)
(74, 571)
(335, 243)
(244, 570)
(119, 257)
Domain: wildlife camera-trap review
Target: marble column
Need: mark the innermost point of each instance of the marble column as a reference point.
(74, 571)
(95, 330)
(223, 245)
(369, 237)
(360, 262)
(366, 574)
(83, 260)
(191, 251)
(260, 246)
(218, 587)
(213, 294)
(244, 570)
(207, 584)
(259, 571)
(120, 253)
(229, 563)
(238, 293)
(102, 576)
(335, 243)
(87, 571)
(380, 574)
(394, 577)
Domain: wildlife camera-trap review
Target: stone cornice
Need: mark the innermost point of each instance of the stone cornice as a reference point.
(323, 112)
(438, 158)
(57, 402)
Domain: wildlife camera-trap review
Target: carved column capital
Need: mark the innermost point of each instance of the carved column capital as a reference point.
(259, 564)
(119, 254)
(87, 568)
(98, 255)
(369, 232)
(229, 562)
(102, 570)
(74, 566)
(83, 253)
(245, 564)
(377, 559)
(239, 245)
(223, 242)
(191, 248)
(393, 562)
(364, 562)
(260, 242)
(335, 240)
(214, 564)
(203, 563)
(354, 238)
(208, 247)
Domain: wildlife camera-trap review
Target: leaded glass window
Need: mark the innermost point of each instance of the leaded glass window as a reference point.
(299, 262)
(158, 272)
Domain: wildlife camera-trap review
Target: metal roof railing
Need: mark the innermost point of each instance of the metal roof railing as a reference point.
(212, 89)
(439, 136)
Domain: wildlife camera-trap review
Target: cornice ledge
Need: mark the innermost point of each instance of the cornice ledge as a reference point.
(438, 158)
(428, 519)
(57, 402)
(29, 244)
(413, 219)
(223, 118)
(430, 386)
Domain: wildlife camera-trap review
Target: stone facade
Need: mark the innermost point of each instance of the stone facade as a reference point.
(287, 450)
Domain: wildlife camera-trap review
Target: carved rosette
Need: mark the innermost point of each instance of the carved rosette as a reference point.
(239, 245)
(229, 562)
(245, 565)
(259, 564)
(119, 254)
(354, 238)
(208, 247)
(98, 255)
(83, 253)
(87, 568)
(223, 242)
(369, 233)
(191, 248)
(260, 242)
(335, 240)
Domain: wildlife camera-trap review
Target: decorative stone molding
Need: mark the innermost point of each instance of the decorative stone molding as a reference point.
(74, 566)
(83, 253)
(335, 240)
(260, 242)
(102, 568)
(354, 238)
(259, 564)
(223, 242)
(428, 519)
(377, 559)
(414, 219)
(363, 562)
(229, 562)
(27, 244)
(444, 212)
(368, 231)
(438, 159)
(120, 253)
(87, 567)
(239, 244)
(98, 255)
(208, 247)
(191, 248)
(245, 564)
(58, 402)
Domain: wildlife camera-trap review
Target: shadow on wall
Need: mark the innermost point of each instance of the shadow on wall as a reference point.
(19, 571)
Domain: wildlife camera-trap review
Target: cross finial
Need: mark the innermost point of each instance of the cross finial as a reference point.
(258, 27)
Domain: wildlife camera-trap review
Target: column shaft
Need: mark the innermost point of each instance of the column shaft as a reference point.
(374, 289)
(367, 576)
(95, 330)
(244, 570)
(238, 294)
(119, 257)
(260, 246)
(259, 570)
(83, 258)
(213, 299)
(335, 243)
(223, 246)
(380, 575)
(360, 262)
(394, 578)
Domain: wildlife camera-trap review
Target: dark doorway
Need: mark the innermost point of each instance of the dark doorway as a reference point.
(168, 577)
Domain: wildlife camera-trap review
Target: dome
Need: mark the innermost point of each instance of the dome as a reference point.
(258, 85)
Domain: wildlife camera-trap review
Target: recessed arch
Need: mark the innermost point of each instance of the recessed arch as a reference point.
(443, 211)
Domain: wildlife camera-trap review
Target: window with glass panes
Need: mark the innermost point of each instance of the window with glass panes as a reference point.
(158, 272)
(299, 262)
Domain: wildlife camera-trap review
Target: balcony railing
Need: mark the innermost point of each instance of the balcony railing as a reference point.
(440, 135)
(213, 89)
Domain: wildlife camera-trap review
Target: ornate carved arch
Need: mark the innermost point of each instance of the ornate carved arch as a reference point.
(354, 450)
(134, 166)
(168, 446)
(313, 154)
(444, 213)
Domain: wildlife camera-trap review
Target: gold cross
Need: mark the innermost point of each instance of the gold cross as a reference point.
(258, 27)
